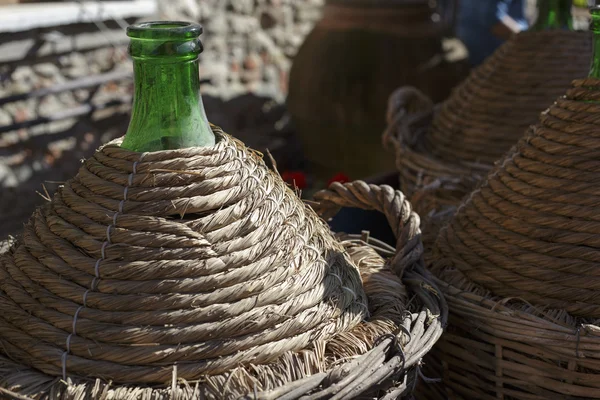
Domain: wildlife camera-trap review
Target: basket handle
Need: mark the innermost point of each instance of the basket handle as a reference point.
(409, 115)
(405, 223)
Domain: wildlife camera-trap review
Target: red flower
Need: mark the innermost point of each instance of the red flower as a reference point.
(339, 177)
(295, 178)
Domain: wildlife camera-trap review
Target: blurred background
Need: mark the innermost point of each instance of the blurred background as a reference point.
(66, 82)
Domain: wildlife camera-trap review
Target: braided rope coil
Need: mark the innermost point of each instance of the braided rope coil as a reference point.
(392, 203)
(202, 264)
(443, 152)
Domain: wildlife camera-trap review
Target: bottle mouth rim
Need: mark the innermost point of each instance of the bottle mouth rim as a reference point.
(172, 30)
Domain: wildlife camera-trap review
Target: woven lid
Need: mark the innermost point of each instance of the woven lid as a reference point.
(532, 230)
(200, 258)
(487, 114)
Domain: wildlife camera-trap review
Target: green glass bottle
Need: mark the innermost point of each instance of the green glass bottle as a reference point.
(553, 14)
(595, 28)
(167, 108)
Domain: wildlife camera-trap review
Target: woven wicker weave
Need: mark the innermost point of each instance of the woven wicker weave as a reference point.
(201, 268)
(443, 153)
(520, 265)
(501, 348)
(531, 231)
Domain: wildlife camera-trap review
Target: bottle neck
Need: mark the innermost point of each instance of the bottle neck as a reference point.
(553, 14)
(595, 28)
(167, 106)
(167, 110)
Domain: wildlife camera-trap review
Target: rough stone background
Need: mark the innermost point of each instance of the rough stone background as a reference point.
(249, 44)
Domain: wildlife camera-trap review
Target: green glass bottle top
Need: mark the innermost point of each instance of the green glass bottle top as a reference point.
(167, 110)
(595, 28)
(553, 14)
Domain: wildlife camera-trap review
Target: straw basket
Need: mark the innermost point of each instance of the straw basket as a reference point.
(501, 348)
(197, 273)
(519, 265)
(443, 152)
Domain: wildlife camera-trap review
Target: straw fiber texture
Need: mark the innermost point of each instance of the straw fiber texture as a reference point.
(531, 231)
(504, 348)
(520, 264)
(198, 273)
(443, 152)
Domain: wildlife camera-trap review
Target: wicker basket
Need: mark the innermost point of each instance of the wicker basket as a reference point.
(443, 152)
(198, 273)
(499, 348)
(519, 265)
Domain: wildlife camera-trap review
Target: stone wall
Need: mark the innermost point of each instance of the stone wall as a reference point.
(249, 44)
(39, 157)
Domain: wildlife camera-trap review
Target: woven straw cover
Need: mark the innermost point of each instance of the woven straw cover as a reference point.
(201, 266)
(519, 262)
(442, 152)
